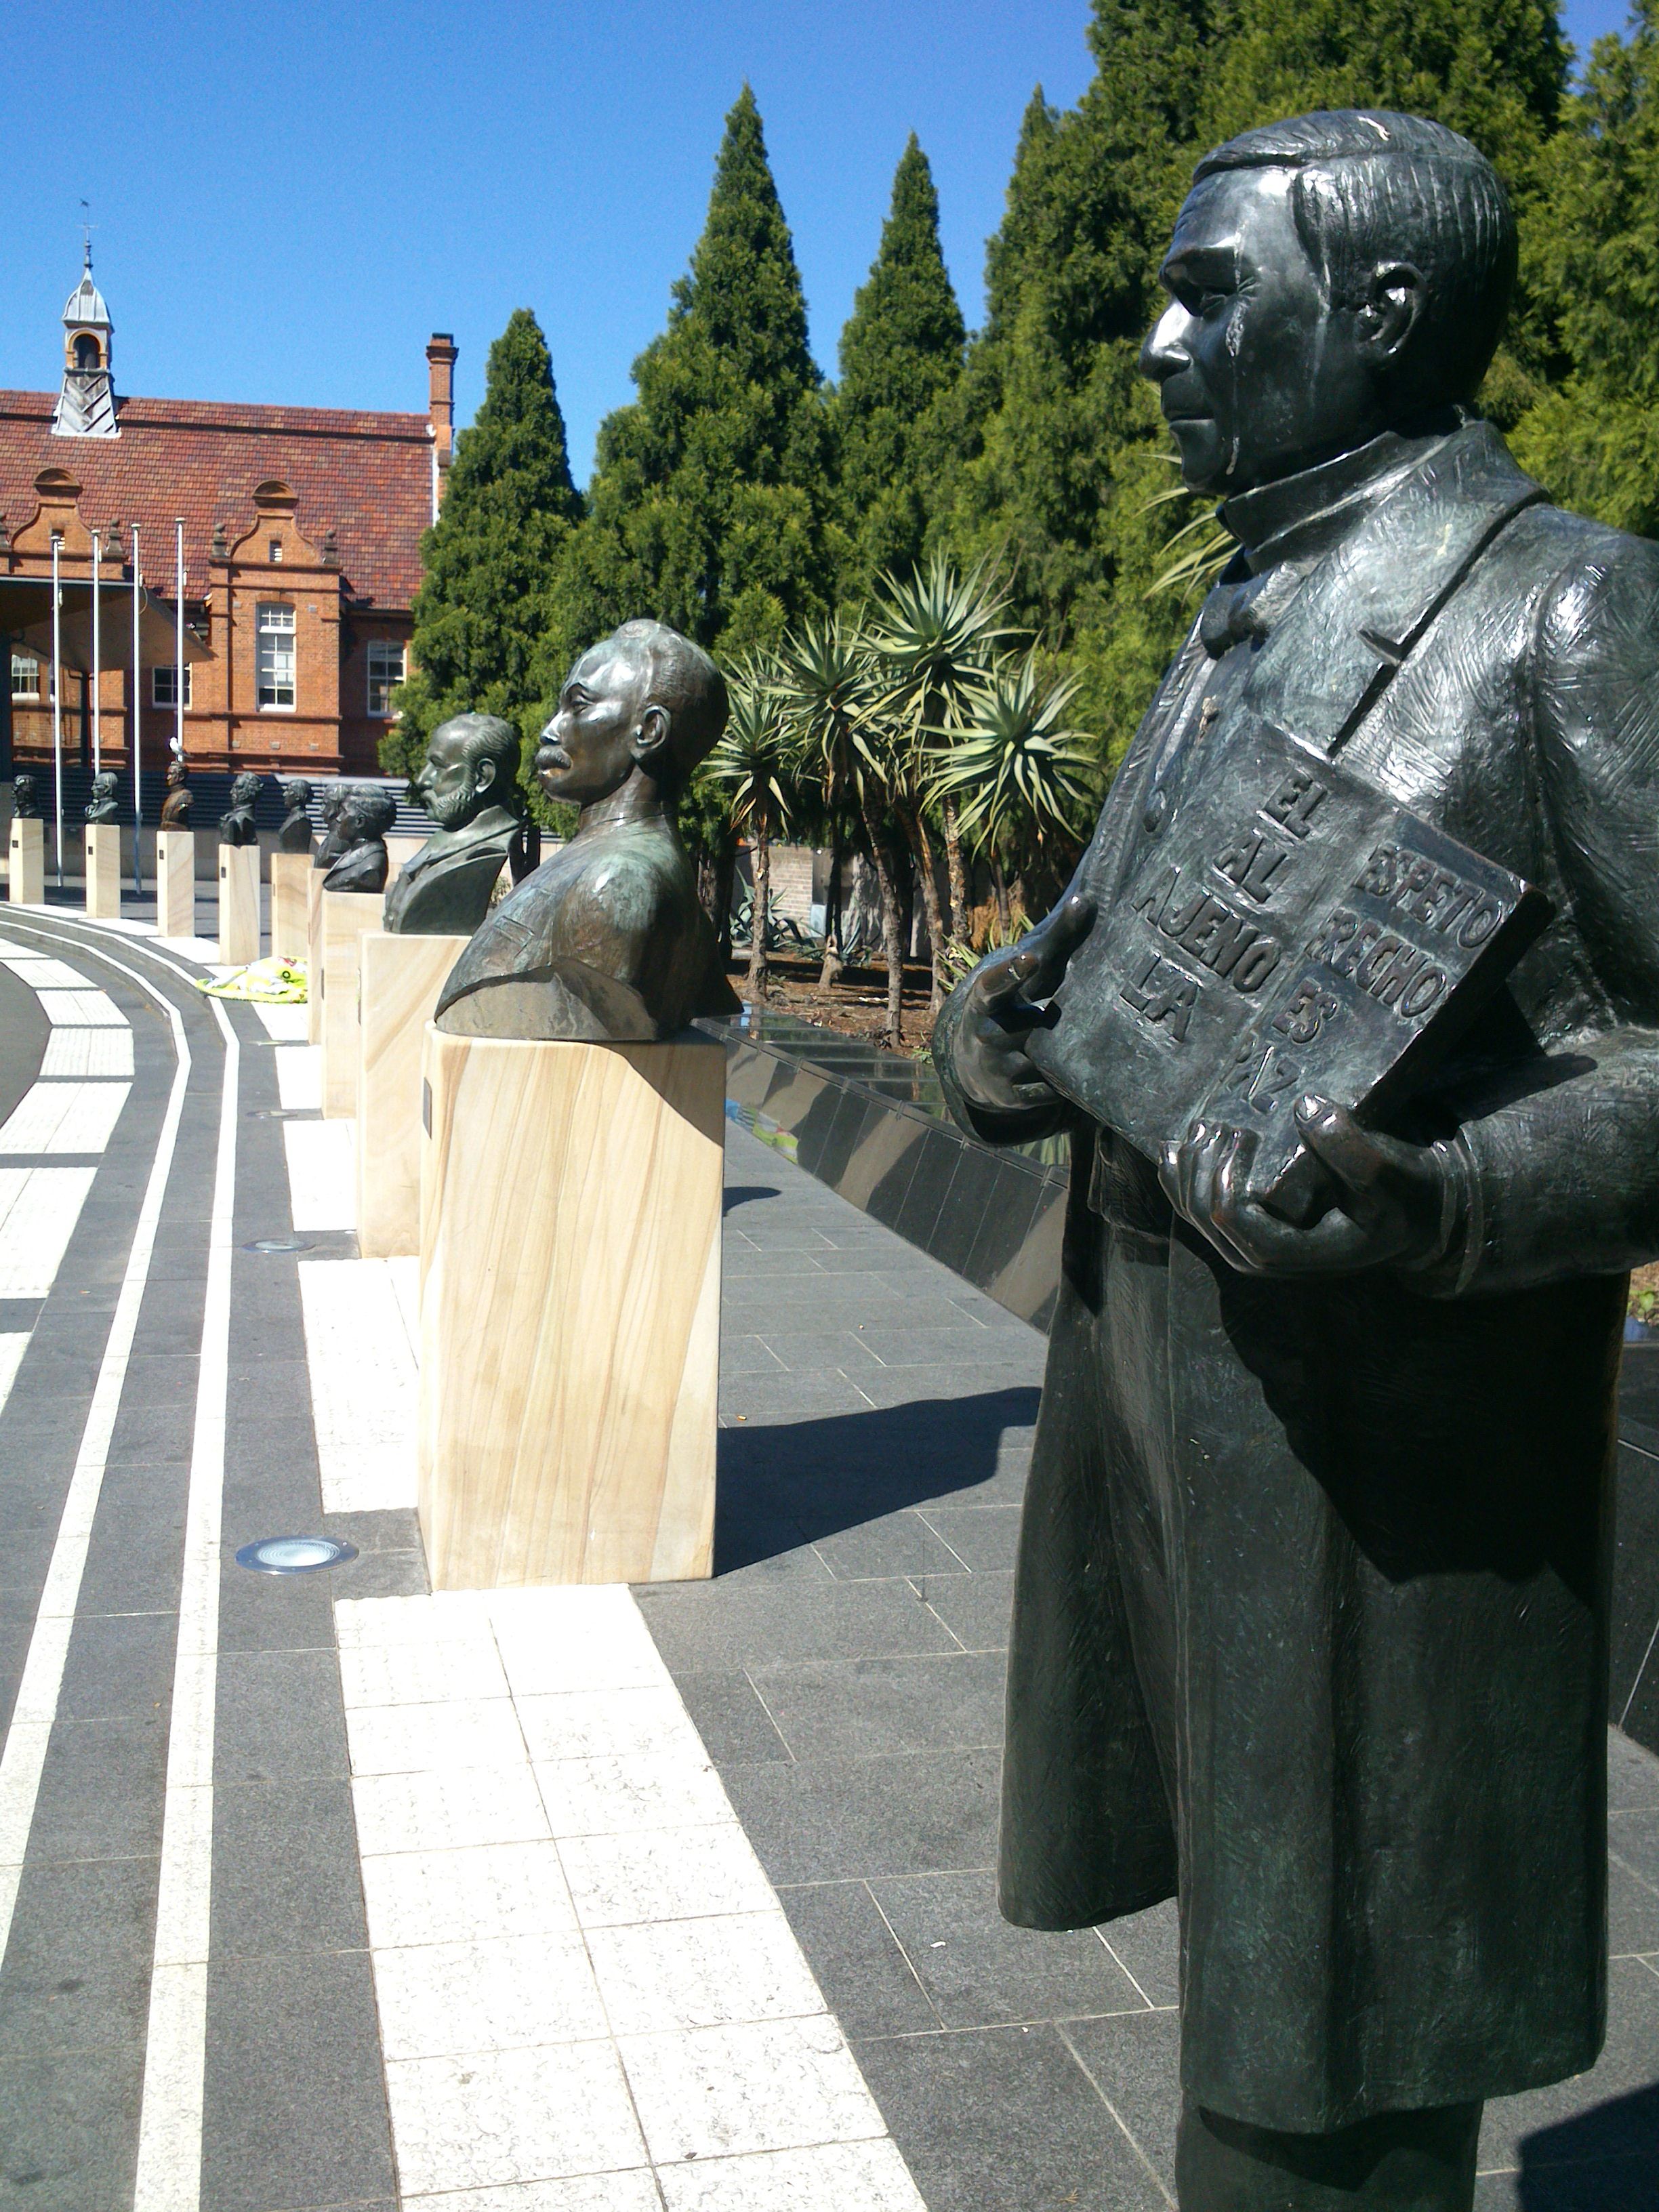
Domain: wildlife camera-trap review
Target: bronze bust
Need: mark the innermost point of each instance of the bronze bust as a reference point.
(175, 807)
(25, 798)
(294, 834)
(607, 939)
(366, 814)
(236, 823)
(1310, 1613)
(331, 844)
(105, 805)
(467, 784)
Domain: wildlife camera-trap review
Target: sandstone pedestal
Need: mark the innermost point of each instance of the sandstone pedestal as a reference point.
(175, 883)
(398, 982)
(103, 870)
(290, 905)
(239, 904)
(570, 1247)
(26, 883)
(342, 918)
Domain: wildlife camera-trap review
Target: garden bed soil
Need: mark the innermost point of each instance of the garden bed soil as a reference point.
(856, 1005)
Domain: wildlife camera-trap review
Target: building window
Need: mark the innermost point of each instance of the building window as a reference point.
(164, 689)
(386, 672)
(276, 552)
(25, 676)
(275, 658)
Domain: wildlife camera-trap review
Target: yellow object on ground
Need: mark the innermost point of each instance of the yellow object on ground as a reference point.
(272, 982)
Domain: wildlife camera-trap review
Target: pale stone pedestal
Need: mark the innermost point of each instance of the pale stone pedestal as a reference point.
(26, 883)
(103, 872)
(239, 905)
(314, 957)
(398, 982)
(290, 905)
(175, 883)
(342, 918)
(570, 1251)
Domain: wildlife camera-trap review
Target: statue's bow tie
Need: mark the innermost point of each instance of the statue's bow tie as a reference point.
(1234, 613)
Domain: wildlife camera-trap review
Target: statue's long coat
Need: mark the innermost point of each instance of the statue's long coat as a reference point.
(1311, 1614)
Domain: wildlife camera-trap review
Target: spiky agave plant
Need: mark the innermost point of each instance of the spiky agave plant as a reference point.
(824, 676)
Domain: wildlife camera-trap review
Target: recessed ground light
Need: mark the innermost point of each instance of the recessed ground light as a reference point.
(277, 1244)
(294, 1555)
(279, 1113)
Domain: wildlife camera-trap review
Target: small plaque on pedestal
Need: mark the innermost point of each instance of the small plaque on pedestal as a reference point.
(1287, 929)
(239, 904)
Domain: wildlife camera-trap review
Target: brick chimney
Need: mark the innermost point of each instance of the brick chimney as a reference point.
(441, 354)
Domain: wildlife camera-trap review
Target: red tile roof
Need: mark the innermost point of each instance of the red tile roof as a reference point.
(367, 478)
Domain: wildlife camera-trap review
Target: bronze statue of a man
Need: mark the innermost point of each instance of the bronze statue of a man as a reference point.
(25, 798)
(360, 828)
(331, 844)
(1311, 1603)
(468, 784)
(105, 805)
(175, 807)
(294, 834)
(607, 939)
(236, 822)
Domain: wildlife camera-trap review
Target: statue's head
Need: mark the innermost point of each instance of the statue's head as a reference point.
(104, 784)
(644, 699)
(1329, 278)
(178, 773)
(23, 796)
(245, 791)
(333, 798)
(366, 811)
(471, 763)
(295, 793)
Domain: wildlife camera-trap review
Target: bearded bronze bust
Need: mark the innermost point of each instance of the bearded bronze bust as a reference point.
(467, 784)
(608, 939)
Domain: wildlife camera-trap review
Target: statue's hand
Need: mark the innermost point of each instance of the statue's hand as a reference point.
(1003, 1004)
(1390, 1198)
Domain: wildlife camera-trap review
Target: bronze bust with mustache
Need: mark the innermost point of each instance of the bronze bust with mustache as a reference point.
(467, 784)
(607, 939)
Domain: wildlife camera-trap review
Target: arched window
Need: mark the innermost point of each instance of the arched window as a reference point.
(86, 352)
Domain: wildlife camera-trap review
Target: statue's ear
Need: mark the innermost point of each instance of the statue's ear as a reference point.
(1394, 304)
(651, 738)
(485, 771)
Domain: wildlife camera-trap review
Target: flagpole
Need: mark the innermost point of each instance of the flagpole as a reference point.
(179, 647)
(138, 705)
(97, 670)
(57, 703)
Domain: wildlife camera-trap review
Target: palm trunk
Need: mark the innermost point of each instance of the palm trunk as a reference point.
(763, 900)
(830, 972)
(892, 943)
(922, 846)
(1000, 885)
(725, 873)
(955, 869)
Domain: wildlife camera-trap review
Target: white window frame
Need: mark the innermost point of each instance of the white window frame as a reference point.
(161, 686)
(21, 663)
(275, 621)
(380, 649)
(274, 548)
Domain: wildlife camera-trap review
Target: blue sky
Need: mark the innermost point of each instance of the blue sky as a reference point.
(287, 199)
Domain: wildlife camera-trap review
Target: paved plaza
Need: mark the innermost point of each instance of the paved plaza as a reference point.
(323, 1892)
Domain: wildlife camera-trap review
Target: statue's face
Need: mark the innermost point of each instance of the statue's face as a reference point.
(451, 788)
(177, 772)
(245, 790)
(602, 729)
(1259, 374)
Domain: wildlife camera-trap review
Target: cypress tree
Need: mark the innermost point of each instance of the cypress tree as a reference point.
(901, 352)
(490, 559)
(706, 506)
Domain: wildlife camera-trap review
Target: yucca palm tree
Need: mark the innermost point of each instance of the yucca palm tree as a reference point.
(936, 632)
(752, 764)
(1016, 767)
(823, 683)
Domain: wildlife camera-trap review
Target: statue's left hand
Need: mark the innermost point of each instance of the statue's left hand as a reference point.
(1390, 1198)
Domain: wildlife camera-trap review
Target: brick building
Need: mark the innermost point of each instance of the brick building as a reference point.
(302, 537)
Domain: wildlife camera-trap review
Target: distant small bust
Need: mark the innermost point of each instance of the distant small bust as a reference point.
(236, 823)
(295, 836)
(25, 800)
(104, 803)
(366, 814)
(468, 784)
(607, 939)
(332, 844)
(175, 807)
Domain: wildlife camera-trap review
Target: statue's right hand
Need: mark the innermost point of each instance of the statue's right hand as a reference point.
(1005, 1000)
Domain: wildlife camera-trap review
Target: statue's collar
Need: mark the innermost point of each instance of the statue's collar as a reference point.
(1300, 518)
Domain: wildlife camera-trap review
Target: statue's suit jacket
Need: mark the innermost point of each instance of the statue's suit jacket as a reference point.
(1310, 1613)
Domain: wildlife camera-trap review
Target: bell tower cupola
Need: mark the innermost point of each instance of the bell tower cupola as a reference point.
(86, 405)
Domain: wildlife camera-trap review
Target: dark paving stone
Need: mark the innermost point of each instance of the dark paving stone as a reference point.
(273, 1612)
(1633, 1838)
(842, 1819)
(1149, 1945)
(1004, 2117)
(1613, 2111)
(867, 1982)
(748, 1355)
(975, 1609)
(983, 1537)
(395, 1528)
(772, 1399)
(894, 1543)
(155, 1431)
(730, 1719)
(1135, 2061)
(382, 1574)
(764, 1551)
(700, 1627)
(1633, 1912)
(295, 2112)
(118, 1664)
(812, 1352)
(871, 1708)
(279, 1717)
(979, 1971)
(100, 1790)
(285, 1876)
(134, 1559)
(69, 2128)
(1632, 1776)
(77, 1965)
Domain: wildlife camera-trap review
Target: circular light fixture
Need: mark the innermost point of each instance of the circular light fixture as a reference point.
(278, 1244)
(295, 1555)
